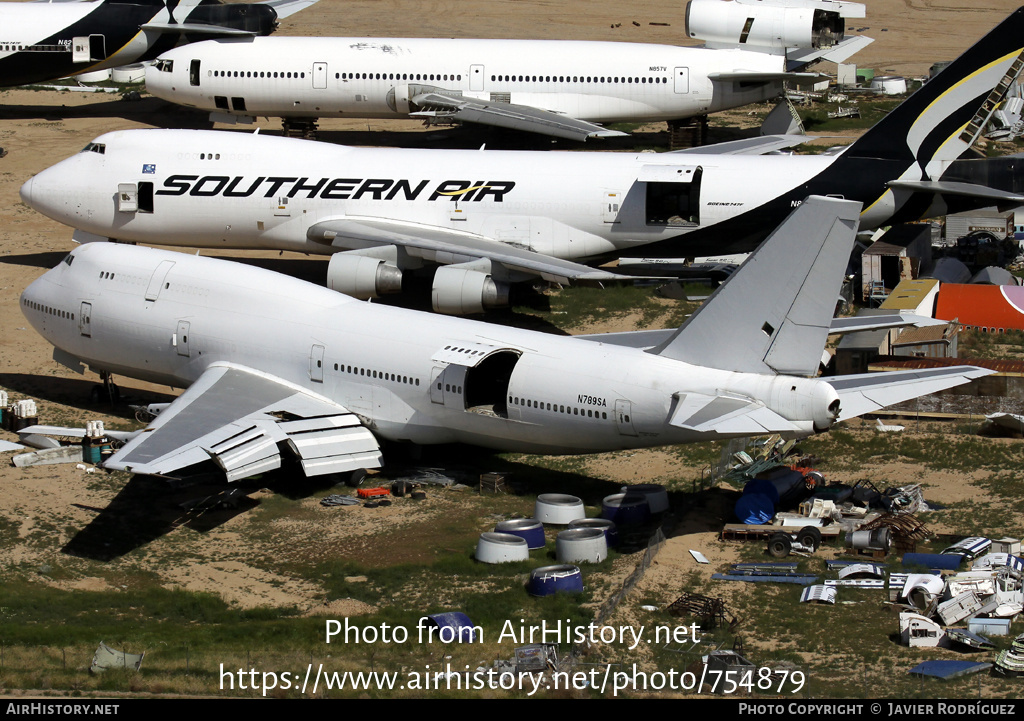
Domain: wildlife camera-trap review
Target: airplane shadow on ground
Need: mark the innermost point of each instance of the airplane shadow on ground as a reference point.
(35, 260)
(148, 110)
(76, 393)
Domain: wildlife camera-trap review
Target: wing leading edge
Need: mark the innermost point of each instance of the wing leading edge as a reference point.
(241, 419)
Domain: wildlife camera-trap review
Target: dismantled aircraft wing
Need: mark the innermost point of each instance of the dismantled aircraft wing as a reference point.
(507, 115)
(240, 418)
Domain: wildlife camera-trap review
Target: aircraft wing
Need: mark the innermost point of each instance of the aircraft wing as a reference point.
(285, 8)
(949, 187)
(507, 115)
(748, 146)
(867, 392)
(440, 245)
(196, 29)
(751, 76)
(241, 419)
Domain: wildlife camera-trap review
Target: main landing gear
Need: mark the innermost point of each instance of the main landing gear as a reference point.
(106, 392)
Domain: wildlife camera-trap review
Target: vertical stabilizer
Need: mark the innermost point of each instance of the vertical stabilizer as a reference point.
(773, 314)
(936, 124)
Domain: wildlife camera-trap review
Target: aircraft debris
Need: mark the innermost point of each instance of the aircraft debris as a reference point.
(48, 456)
(1011, 661)
(106, 657)
(819, 593)
(710, 612)
(338, 500)
(948, 669)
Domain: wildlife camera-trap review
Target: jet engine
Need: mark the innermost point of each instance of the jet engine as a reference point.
(363, 276)
(775, 24)
(804, 399)
(461, 289)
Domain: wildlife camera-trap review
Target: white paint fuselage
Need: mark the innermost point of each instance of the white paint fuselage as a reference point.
(601, 82)
(563, 395)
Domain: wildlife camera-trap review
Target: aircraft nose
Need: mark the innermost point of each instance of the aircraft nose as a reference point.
(45, 194)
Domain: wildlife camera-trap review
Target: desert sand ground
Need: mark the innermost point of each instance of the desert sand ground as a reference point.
(39, 128)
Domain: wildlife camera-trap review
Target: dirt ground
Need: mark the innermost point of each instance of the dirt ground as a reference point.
(39, 128)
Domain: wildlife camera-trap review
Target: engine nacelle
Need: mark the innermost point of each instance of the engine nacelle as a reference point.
(460, 291)
(804, 399)
(363, 276)
(775, 24)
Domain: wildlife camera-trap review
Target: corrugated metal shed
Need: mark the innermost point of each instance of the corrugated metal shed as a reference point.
(936, 341)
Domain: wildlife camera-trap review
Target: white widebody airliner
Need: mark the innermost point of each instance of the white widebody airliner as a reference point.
(276, 366)
(494, 217)
(48, 40)
(559, 88)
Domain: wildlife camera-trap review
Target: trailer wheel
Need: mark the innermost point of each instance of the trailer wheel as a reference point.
(779, 545)
(809, 536)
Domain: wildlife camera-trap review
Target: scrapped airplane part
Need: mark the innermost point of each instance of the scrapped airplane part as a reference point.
(948, 669)
(887, 428)
(968, 639)
(48, 456)
(819, 594)
(581, 545)
(862, 570)
(558, 509)
(963, 606)
(240, 418)
(501, 548)
(106, 658)
(699, 557)
(918, 630)
(549, 580)
(969, 548)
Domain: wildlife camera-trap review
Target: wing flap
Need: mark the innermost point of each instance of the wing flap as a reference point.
(507, 115)
(427, 241)
(868, 392)
(241, 419)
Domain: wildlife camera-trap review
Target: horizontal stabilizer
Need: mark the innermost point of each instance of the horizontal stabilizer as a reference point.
(507, 115)
(748, 146)
(196, 29)
(948, 187)
(728, 415)
(868, 392)
(440, 245)
(284, 8)
(242, 419)
(838, 53)
(879, 322)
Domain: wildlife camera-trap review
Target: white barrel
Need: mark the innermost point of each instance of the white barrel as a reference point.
(527, 528)
(558, 508)
(889, 85)
(96, 76)
(581, 545)
(134, 73)
(501, 548)
(655, 493)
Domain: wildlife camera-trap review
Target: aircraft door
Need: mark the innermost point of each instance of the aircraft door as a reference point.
(624, 417)
(476, 77)
(97, 47)
(682, 76)
(181, 338)
(127, 198)
(437, 385)
(156, 282)
(320, 76)
(454, 386)
(194, 72)
(316, 364)
(85, 320)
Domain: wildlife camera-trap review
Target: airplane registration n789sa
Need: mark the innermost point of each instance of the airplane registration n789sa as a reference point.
(490, 218)
(274, 365)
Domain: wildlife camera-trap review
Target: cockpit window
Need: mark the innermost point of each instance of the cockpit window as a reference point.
(100, 148)
(69, 259)
(165, 66)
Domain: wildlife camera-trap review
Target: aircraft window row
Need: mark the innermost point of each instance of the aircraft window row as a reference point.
(396, 76)
(209, 156)
(100, 148)
(254, 74)
(555, 408)
(574, 79)
(394, 377)
(463, 350)
(37, 48)
(106, 275)
(49, 310)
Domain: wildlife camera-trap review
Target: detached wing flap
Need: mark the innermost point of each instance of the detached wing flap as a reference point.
(728, 415)
(507, 115)
(440, 245)
(241, 419)
(867, 392)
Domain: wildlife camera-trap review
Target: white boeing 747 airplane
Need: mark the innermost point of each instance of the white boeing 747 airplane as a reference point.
(42, 41)
(275, 366)
(489, 218)
(560, 88)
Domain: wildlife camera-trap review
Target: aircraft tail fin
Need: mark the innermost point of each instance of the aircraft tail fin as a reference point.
(945, 117)
(773, 314)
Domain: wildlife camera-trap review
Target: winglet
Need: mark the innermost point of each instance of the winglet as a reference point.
(773, 314)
